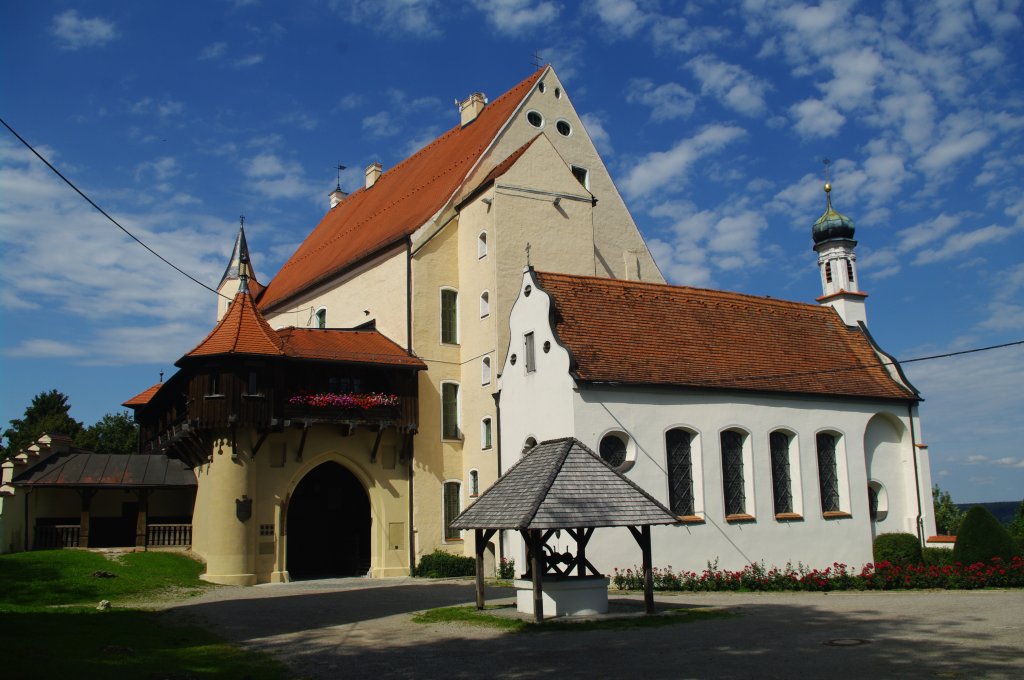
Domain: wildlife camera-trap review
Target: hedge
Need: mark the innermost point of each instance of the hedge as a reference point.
(899, 549)
(982, 536)
(440, 564)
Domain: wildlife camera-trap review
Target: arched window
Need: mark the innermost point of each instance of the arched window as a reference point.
(849, 270)
(732, 473)
(452, 504)
(481, 245)
(449, 316)
(485, 304)
(474, 483)
(679, 463)
(828, 475)
(450, 410)
(782, 488)
(321, 317)
(485, 371)
(529, 443)
(485, 433)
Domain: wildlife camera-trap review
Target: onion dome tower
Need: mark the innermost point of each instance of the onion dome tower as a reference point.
(833, 241)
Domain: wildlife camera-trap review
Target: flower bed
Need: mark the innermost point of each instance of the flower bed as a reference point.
(878, 576)
(351, 401)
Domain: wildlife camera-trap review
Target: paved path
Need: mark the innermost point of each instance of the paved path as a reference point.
(357, 628)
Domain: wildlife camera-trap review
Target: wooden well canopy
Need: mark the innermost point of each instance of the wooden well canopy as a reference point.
(563, 485)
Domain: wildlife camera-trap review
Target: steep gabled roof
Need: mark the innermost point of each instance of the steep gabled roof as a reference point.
(242, 330)
(240, 249)
(562, 484)
(656, 334)
(399, 203)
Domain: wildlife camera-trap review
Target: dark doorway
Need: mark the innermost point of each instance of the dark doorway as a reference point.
(328, 525)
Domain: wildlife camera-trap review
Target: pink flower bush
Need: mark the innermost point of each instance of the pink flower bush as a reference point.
(350, 401)
(879, 576)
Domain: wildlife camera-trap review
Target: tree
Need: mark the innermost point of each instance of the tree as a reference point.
(947, 515)
(113, 433)
(48, 413)
(1016, 527)
(981, 538)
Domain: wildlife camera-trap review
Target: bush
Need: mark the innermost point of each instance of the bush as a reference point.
(899, 549)
(440, 564)
(938, 557)
(507, 569)
(981, 538)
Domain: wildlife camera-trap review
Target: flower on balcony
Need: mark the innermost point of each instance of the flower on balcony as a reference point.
(347, 400)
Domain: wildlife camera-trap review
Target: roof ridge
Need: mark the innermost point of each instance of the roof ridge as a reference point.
(604, 280)
(567, 443)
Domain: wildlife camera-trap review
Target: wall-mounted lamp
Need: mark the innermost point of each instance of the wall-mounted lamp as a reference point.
(558, 201)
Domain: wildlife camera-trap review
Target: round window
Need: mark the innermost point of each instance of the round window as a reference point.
(563, 128)
(512, 359)
(527, 290)
(541, 87)
(613, 450)
(558, 93)
(547, 346)
(535, 119)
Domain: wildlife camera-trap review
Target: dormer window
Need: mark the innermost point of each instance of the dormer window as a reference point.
(321, 318)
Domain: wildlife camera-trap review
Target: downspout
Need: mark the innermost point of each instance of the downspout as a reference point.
(412, 530)
(408, 296)
(917, 479)
(416, 378)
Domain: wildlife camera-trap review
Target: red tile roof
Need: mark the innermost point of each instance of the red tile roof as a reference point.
(398, 204)
(242, 330)
(646, 333)
(356, 346)
(144, 397)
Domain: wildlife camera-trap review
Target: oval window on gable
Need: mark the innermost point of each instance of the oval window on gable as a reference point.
(535, 119)
(563, 128)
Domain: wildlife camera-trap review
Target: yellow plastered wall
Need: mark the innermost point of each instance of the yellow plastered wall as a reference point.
(435, 266)
(377, 287)
(236, 553)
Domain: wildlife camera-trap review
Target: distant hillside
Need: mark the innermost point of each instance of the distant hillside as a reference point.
(1004, 511)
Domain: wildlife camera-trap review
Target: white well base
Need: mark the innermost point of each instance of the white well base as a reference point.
(567, 597)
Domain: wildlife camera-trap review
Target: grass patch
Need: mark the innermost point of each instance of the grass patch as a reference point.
(65, 577)
(470, 615)
(51, 627)
(122, 644)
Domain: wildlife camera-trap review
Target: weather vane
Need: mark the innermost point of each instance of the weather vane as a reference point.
(339, 167)
(826, 162)
(536, 59)
(241, 220)
(527, 253)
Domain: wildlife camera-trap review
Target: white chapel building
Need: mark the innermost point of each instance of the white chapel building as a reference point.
(776, 431)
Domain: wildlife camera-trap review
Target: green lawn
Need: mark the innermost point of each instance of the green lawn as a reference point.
(51, 626)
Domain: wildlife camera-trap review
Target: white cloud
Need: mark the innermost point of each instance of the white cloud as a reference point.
(565, 58)
(512, 17)
(622, 17)
(732, 85)
(953, 148)
(164, 108)
(659, 168)
(213, 51)
(667, 101)
(815, 118)
(273, 177)
(44, 348)
(74, 32)
(962, 242)
(349, 101)
(160, 169)
(403, 17)
(594, 123)
(380, 124)
(247, 61)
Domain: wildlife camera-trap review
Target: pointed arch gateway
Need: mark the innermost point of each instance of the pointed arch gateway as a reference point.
(328, 524)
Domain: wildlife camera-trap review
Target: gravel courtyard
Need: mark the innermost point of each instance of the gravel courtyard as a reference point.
(360, 628)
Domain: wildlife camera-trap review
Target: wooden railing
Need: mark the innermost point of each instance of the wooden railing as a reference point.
(56, 536)
(169, 535)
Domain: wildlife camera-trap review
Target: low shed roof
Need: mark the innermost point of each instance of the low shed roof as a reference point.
(562, 484)
(79, 468)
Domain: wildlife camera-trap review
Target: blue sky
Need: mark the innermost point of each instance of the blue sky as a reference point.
(177, 117)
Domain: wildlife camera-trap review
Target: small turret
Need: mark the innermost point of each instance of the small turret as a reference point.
(239, 262)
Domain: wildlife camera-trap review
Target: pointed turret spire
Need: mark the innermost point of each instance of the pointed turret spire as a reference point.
(833, 241)
(241, 248)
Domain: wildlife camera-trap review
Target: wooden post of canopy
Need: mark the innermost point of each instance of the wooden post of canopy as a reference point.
(478, 536)
(643, 537)
(141, 519)
(537, 568)
(83, 522)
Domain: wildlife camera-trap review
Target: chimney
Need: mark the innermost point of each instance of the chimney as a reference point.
(337, 196)
(373, 173)
(471, 107)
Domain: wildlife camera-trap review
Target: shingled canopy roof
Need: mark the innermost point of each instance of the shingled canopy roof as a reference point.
(562, 484)
(631, 332)
(80, 468)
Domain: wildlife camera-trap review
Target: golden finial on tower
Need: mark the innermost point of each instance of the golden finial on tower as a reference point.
(828, 185)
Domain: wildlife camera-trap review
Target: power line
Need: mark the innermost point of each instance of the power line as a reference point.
(107, 215)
